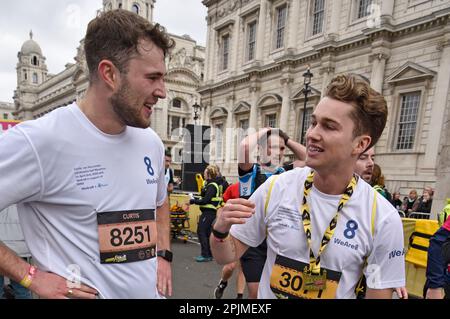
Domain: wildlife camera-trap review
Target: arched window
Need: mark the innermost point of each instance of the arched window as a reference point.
(35, 78)
(135, 8)
(34, 60)
(176, 103)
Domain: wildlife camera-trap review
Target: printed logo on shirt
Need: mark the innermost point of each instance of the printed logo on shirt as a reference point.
(148, 163)
(150, 171)
(90, 177)
(350, 230)
(396, 253)
(345, 243)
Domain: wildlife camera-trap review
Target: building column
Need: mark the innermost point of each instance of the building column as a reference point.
(294, 13)
(254, 95)
(229, 131)
(387, 11)
(208, 49)
(212, 55)
(439, 104)
(336, 9)
(326, 71)
(261, 31)
(165, 120)
(378, 61)
(234, 47)
(286, 104)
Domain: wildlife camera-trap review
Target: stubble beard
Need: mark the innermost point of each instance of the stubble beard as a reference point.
(122, 105)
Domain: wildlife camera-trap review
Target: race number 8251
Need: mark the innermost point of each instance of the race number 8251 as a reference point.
(129, 236)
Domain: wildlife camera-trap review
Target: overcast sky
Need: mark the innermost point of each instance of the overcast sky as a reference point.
(59, 25)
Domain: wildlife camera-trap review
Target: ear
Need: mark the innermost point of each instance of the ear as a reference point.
(360, 144)
(109, 74)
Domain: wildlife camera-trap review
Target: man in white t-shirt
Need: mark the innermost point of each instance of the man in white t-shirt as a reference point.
(89, 178)
(325, 226)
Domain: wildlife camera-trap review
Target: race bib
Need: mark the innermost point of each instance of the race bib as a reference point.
(126, 236)
(288, 281)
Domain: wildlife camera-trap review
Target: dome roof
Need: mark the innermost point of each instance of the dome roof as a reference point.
(31, 46)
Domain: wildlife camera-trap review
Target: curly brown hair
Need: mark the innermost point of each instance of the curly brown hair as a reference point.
(115, 35)
(370, 108)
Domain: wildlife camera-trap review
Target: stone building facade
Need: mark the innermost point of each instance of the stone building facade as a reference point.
(39, 92)
(258, 50)
(6, 110)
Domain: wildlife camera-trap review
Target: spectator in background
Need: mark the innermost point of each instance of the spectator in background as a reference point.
(169, 172)
(426, 189)
(364, 165)
(410, 203)
(396, 201)
(209, 201)
(425, 204)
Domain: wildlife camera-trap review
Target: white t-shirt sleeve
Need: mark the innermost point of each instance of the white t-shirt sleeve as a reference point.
(162, 186)
(253, 232)
(20, 173)
(386, 263)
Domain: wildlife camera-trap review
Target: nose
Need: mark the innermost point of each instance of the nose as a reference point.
(312, 134)
(160, 90)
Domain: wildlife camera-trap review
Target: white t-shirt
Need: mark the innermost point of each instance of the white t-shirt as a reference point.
(62, 170)
(351, 242)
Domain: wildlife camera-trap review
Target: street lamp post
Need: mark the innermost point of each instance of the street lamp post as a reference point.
(307, 81)
(197, 108)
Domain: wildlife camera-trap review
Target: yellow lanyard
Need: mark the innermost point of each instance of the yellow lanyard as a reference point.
(306, 218)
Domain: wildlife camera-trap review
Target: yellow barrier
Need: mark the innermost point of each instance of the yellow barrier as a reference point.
(416, 235)
(194, 211)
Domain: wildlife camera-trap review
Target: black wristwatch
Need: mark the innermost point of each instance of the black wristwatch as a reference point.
(165, 254)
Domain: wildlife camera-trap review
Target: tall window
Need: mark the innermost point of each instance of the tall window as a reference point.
(135, 8)
(34, 61)
(176, 103)
(307, 124)
(281, 26)
(35, 78)
(251, 41)
(243, 129)
(218, 134)
(225, 51)
(271, 120)
(408, 120)
(363, 8)
(175, 123)
(318, 14)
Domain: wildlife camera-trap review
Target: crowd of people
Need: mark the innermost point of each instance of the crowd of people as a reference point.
(97, 180)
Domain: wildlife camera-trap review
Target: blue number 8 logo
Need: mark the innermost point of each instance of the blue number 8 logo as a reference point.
(148, 162)
(350, 231)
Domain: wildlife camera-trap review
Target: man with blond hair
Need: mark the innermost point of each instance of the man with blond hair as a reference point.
(321, 250)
